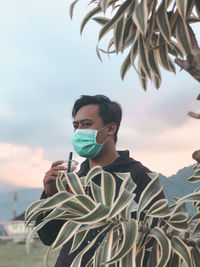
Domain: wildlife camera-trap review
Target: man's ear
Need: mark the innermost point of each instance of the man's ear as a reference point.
(112, 128)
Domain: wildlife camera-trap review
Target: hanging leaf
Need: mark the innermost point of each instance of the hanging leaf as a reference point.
(117, 17)
(163, 23)
(183, 37)
(182, 7)
(140, 16)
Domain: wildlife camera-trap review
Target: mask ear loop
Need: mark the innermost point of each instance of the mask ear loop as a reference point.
(105, 140)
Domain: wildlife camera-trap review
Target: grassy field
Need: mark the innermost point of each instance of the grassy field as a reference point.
(14, 255)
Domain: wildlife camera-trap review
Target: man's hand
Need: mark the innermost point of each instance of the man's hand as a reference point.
(50, 178)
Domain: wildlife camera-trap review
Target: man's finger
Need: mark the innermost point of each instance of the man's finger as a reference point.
(55, 163)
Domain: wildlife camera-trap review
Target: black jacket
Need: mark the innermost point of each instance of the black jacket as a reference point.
(123, 163)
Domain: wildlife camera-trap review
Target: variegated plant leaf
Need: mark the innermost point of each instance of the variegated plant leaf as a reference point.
(140, 16)
(66, 232)
(92, 173)
(129, 230)
(99, 213)
(74, 183)
(181, 249)
(117, 17)
(143, 52)
(196, 230)
(77, 260)
(123, 200)
(163, 23)
(182, 7)
(33, 207)
(118, 35)
(108, 188)
(71, 8)
(101, 20)
(195, 254)
(183, 37)
(79, 237)
(93, 12)
(165, 245)
(125, 66)
(159, 209)
(150, 192)
(178, 221)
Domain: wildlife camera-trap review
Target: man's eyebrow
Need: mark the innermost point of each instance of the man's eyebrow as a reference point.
(82, 120)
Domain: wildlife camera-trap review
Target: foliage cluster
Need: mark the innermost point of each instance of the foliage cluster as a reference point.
(161, 232)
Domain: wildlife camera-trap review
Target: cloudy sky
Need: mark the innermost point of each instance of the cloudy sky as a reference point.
(46, 65)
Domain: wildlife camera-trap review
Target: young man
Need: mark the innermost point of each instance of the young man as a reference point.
(96, 124)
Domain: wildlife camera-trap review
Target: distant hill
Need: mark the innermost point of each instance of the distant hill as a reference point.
(25, 197)
(178, 185)
(175, 185)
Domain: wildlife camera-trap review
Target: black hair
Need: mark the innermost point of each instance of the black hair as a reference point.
(109, 111)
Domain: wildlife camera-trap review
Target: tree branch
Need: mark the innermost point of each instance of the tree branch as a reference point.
(192, 63)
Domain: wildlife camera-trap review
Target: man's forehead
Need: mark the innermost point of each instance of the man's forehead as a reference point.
(88, 111)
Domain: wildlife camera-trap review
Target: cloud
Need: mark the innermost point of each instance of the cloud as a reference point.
(166, 152)
(22, 165)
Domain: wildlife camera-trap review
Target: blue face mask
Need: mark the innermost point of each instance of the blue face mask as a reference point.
(84, 143)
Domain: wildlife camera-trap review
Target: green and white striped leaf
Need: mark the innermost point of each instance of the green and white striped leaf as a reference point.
(125, 66)
(153, 62)
(183, 37)
(96, 192)
(66, 232)
(163, 23)
(154, 255)
(103, 252)
(129, 259)
(108, 188)
(56, 200)
(92, 173)
(178, 221)
(59, 184)
(159, 209)
(78, 239)
(140, 16)
(195, 254)
(181, 249)
(118, 35)
(182, 7)
(89, 16)
(117, 17)
(77, 261)
(143, 52)
(99, 213)
(74, 183)
(33, 207)
(156, 80)
(101, 20)
(140, 257)
(129, 230)
(150, 192)
(71, 8)
(194, 197)
(104, 5)
(196, 230)
(165, 246)
(123, 200)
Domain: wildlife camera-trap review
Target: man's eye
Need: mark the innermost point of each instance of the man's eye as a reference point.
(75, 127)
(86, 125)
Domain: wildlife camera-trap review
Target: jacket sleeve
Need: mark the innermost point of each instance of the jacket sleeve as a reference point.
(50, 230)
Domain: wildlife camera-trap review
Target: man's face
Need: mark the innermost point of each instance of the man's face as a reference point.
(88, 118)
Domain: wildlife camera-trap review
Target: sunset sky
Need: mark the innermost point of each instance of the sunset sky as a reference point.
(46, 65)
